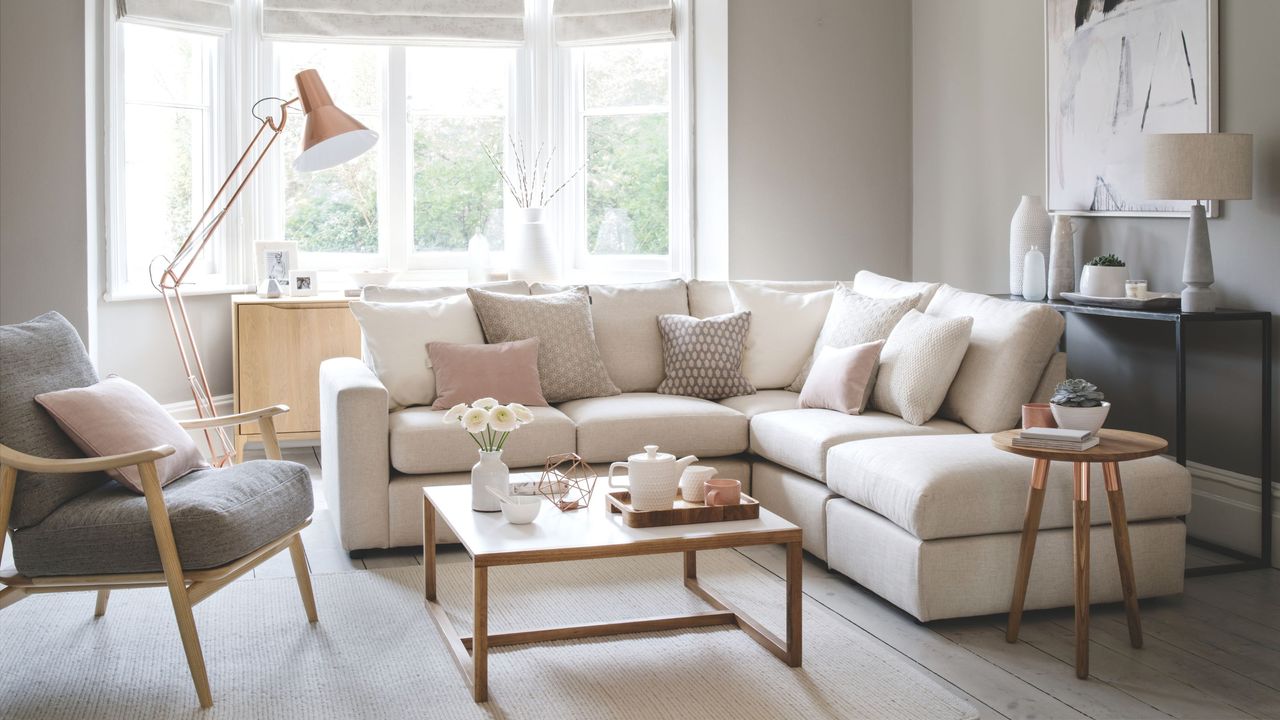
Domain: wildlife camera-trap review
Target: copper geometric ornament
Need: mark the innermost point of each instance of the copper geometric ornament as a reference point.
(567, 481)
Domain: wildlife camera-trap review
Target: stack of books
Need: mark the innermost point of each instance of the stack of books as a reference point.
(1055, 439)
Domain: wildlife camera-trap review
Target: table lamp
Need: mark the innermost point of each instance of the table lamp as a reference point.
(1199, 166)
(330, 137)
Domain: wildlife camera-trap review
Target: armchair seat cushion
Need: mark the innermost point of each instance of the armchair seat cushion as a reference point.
(218, 515)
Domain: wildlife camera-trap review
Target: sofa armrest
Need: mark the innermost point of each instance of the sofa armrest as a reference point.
(1054, 372)
(355, 460)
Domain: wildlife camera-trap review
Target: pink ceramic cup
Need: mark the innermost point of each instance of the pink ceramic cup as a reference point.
(723, 491)
(1037, 415)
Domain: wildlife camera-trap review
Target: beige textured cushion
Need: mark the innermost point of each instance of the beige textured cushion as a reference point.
(702, 358)
(917, 364)
(420, 441)
(962, 485)
(879, 286)
(712, 297)
(396, 335)
(855, 319)
(763, 402)
(1009, 347)
(413, 293)
(784, 326)
(799, 439)
(841, 378)
(569, 362)
(115, 417)
(626, 325)
(611, 428)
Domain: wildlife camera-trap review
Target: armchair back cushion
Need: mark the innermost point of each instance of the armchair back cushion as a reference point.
(39, 356)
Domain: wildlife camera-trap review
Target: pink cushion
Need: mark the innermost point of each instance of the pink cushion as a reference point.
(841, 378)
(114, 417)
(507, 372)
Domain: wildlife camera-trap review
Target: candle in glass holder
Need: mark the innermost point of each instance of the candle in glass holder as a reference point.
(1135, 289)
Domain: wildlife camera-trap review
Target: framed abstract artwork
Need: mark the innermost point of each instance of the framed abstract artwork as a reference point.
(1116, 70)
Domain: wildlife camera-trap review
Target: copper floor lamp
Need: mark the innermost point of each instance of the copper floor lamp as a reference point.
(331, 137)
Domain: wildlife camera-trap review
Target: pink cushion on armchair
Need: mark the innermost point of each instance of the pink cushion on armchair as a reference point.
(507, 372)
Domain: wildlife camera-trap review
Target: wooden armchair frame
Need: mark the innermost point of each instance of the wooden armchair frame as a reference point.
(186, 587)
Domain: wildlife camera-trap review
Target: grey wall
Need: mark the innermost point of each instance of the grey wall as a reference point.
(805, 142)
(978, 139)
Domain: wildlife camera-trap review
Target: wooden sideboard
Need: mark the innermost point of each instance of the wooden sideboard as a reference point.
(277, 347)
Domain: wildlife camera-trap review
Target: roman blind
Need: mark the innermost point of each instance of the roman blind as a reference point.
(611, 22)
(449, 22)
(204, 15)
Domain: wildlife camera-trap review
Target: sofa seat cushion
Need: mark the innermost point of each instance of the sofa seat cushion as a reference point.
(421, 442)
(763, 401)
(957, 486)
(611, 428)
(218, 515)
(799, 439)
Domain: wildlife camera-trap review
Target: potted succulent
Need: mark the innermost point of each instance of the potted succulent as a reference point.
(1104, 276)
(1078, 405)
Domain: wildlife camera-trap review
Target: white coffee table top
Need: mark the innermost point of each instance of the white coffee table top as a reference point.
(590, 532)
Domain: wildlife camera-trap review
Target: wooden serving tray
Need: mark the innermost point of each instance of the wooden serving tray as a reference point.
(683, 513)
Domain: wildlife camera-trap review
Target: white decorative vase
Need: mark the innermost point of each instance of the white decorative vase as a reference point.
(1081, 418)
(1103, 281)
(477, 259)
(1033, 275)
(1029, 227)
(535, 256)
(490, 472)
(1062, 257)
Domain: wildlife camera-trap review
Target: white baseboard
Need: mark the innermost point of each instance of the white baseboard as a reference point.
(1226, 509)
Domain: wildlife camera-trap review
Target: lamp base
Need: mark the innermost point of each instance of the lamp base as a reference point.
(1199, 298)
(1197, 266)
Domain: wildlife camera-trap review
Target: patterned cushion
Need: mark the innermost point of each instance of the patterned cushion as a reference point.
(39, 356)
(855, 319)
(918, 362)
(569, 362)
(703, 358)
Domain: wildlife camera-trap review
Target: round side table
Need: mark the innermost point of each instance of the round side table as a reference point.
(1115, 447)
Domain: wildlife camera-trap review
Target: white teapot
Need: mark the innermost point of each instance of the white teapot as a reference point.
(653, 477)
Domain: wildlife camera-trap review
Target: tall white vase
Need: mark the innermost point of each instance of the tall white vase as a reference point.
(535, 256)
(1062, 257)
(1029, 228)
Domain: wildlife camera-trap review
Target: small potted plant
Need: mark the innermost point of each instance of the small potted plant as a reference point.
(1078, 405)
(1104, 276)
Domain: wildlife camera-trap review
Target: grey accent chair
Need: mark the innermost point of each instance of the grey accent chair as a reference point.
(75, 529)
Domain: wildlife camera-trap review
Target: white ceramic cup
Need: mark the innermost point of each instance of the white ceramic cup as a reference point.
(691, 482)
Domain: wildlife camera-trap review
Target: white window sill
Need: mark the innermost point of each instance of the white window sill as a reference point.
(134, 293)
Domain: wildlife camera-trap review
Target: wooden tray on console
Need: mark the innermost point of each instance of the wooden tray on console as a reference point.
(683, 513)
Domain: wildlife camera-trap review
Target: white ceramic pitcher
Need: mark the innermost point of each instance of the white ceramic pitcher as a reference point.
(653, 478)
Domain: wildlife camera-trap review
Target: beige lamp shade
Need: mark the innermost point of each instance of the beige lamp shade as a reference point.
(1199, 166)
(331, 137)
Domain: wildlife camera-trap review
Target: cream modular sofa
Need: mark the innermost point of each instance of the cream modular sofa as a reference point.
(928, 517)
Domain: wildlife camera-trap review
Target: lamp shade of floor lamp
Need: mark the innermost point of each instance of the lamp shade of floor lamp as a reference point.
(1199, 167)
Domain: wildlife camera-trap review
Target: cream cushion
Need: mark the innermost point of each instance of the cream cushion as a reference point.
(917, 364)
(784, 328)
(611, 428)
(712, 297)
(395, 339)
(420, 441)
(413, 293)
(879, 286)
(961, 485)
(763, 401)
(1009, 346)
(854, 319)
(799, 439)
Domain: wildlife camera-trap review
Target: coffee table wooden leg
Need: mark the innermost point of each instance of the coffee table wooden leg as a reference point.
(795, 603)
(1124, 556)
(429, 548)
(1080, 556)
(691, 564)
(1027, 549)
(480, 635)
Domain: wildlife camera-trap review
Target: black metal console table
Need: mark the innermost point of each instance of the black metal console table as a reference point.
(1180, 319)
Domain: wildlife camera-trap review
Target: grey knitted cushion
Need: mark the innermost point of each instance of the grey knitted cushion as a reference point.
(39, 356)
(218, 515)
(703, 357)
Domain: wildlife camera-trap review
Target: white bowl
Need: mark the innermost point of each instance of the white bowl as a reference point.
(365, 278)
(521, 509)
(1081, 418)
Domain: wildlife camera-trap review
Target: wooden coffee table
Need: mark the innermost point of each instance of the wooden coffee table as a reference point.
(1115, 447)
(588, 534)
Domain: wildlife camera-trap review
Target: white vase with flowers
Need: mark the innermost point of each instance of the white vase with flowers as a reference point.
(489, 424)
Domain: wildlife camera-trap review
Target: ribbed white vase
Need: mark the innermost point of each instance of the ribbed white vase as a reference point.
(1029, 228)
(535, 256)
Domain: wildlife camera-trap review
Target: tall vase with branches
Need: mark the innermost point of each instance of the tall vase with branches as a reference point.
(530, 184)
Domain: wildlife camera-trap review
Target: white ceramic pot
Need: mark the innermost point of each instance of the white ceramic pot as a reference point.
(693, 480)
(1081, 418)
(521, 509)
(490, 472)
(535, 255)
(652, 478)
(1099, 281)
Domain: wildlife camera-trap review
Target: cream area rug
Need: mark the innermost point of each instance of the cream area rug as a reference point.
(376, 654)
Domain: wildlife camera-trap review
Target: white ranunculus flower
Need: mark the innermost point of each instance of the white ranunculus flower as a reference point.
(475, 420)
(523, 414)
(503, 419)
(485, 403)
(455, 413)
